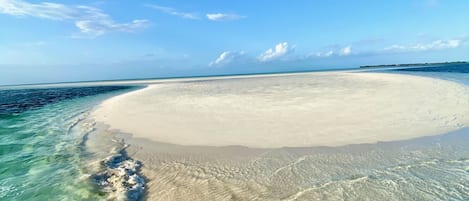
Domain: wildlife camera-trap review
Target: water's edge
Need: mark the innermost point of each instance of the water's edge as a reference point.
(62, 153)
(140, 149)
(116, 173)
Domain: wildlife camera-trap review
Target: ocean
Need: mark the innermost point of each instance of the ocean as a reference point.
(51, 150)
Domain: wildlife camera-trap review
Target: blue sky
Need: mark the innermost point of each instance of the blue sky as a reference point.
(53, 41)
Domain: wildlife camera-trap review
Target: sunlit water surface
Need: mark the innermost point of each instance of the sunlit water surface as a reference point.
(46, 154)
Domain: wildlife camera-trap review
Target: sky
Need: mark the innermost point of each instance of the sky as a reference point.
(72, 40)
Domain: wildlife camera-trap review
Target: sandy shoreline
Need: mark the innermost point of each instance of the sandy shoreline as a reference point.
(398, 107)
(382, 171)
(315, 109)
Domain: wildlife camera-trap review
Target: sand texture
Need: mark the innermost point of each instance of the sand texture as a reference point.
(428, 168)
(315, 109)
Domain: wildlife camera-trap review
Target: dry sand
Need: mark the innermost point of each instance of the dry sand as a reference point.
(315, 109)
(172, 126)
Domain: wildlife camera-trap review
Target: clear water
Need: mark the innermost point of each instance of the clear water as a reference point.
(43, 136)
(41, 153)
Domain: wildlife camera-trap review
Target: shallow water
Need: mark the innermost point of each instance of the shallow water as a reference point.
(42, 154)
(428, 168)
(52, 150)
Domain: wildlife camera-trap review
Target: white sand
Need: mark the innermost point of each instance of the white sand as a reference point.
(316, 109)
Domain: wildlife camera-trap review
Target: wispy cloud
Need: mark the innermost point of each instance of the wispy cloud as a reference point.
(279, 51)
(173, 11)
(194, 15)
(226, 58)
(45, 10)
(223, 16)
(89, 20)
(344, 51)
(325, 54)
(433, 45)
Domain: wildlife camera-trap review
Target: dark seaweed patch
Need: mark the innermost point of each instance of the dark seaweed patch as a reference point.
(17, 101)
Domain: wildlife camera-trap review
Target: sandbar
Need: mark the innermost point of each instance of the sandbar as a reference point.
(300, 110)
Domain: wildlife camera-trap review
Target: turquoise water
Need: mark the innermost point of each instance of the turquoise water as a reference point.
(41, 151)
(44, 155)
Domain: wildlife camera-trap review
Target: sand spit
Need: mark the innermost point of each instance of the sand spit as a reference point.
(315, 109)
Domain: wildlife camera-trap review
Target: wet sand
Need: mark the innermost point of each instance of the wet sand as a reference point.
(426, 168)
(297, 137)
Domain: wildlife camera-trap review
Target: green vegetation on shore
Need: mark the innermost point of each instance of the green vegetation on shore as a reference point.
(414, 64)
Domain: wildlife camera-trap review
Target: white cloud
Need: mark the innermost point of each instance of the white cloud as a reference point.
(172, 11)
(434, 45)
(195, 16)
(345, 51)
(90, 21)
(97, 28)
(45, 10)
(223, 16)
(226, 57)
(280, 50)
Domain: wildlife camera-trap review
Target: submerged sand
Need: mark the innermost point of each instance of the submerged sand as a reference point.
(297, 110)
(428, 168)
(315, 109)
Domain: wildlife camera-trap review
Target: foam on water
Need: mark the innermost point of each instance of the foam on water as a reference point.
(120, 177)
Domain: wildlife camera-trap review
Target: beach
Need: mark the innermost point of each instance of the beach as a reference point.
(311, 136)
(234, 100)
(322, 109)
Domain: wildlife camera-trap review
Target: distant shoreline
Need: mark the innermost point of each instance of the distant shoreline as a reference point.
(414, 64)
(163, 78)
